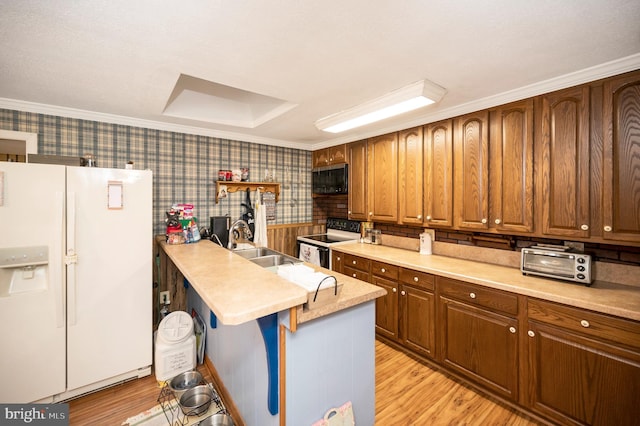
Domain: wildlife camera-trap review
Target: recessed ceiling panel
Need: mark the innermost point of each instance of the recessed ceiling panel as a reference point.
(202, 100)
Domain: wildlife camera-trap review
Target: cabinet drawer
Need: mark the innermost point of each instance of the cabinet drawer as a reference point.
(495, 300)
(356, 273)
(356, 262)
(384, 270)
(420, 279)
(618, 330)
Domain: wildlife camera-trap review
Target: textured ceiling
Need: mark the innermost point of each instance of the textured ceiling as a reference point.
(119, 61)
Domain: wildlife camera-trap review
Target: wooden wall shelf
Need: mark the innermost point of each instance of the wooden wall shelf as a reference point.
(252, 186)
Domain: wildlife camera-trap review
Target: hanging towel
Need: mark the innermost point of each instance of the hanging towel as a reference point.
(260, 236)
(310, 254)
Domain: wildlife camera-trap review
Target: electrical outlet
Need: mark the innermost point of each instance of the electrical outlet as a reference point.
(431, 232)
(165, 299)
(574, 245)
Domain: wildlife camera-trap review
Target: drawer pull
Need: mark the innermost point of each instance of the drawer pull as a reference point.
(585, 323)
(403, 292)
(497, 221)
(531, 333)
(415, 279)
(338, 258)
(383, 270)
(354, 262)
(428, 217)
(484, 221)
(395, 289)
(472, 295)
(584, 227)
(512, 330)
(354, 275)
(607, 228)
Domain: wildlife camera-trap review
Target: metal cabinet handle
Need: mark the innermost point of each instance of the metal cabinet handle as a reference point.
(419, 216)
(395, 289)
(585, 323)
(472, 295)
(497, 221)
(403, 292)
(415, 279)
(584, 227)
(607, 228)
(484, 220)
(338, 258)
(354, 262)
(370, 213)
(383, 270)
(354, 275)
(428, 217)
(512, 330)
(531, 333)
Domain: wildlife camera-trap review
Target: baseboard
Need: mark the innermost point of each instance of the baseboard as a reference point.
(224, 393)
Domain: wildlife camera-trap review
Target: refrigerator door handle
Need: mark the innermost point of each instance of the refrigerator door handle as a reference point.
(57, 273)
(71, 258)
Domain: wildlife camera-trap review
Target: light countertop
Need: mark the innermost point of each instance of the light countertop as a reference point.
(604, 297)
(238, 291)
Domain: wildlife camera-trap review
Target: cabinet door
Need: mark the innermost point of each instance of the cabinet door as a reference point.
(382, 162)
(564, 162)
(578, 380)
(621, 187)
(337, 261)
(471, 167)
(511, 144)
(320, 158)
(358, 181)
(387, 308)
(410, 176)
(480, 345)
(337, 154)
(418, 331)
(438, 174)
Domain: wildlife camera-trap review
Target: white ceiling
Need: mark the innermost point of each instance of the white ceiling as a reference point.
(119, 61)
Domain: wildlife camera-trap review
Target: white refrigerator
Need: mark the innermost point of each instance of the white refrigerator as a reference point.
(75, 279)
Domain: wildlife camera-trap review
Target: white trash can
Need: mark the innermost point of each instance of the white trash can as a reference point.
(175, 346)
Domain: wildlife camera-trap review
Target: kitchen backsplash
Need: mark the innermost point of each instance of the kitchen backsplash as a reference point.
(185, 167)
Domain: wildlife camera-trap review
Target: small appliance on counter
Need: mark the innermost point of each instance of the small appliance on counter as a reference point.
(219, 229)
(554, 261)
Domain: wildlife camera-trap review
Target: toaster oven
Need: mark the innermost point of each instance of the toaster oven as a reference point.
(556, 263)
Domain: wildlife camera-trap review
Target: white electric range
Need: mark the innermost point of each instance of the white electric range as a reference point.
(316, 248)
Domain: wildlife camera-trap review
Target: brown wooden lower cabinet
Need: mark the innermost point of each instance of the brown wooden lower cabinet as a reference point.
(583, 376)
(568, 365)
(477, 341)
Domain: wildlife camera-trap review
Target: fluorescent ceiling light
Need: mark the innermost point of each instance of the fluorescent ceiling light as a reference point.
(413, 96)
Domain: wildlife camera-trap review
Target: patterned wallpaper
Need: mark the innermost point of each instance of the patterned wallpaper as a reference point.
(185, 167)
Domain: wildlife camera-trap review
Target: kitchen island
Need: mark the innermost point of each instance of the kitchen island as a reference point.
(280, 362)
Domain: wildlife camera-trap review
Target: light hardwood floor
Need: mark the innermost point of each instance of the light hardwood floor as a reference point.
(407, 393)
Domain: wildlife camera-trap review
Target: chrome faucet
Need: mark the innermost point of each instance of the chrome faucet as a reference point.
(238, 227)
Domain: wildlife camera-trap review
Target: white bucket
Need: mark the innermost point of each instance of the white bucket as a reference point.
(175, 346)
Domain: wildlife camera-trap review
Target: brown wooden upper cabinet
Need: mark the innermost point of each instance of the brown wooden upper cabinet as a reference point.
(382, 164)
(358, 209)
(438, 174)
(471, 170)
(564, 145)
(621, 154)
(329, 156)
(410, 176)
(511, 171)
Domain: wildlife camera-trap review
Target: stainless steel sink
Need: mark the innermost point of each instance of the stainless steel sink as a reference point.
(277, 259)
(256, 252)
(267, 258)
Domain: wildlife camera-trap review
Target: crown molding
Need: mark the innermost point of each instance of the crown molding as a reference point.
(18, 105)
(608, 69)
